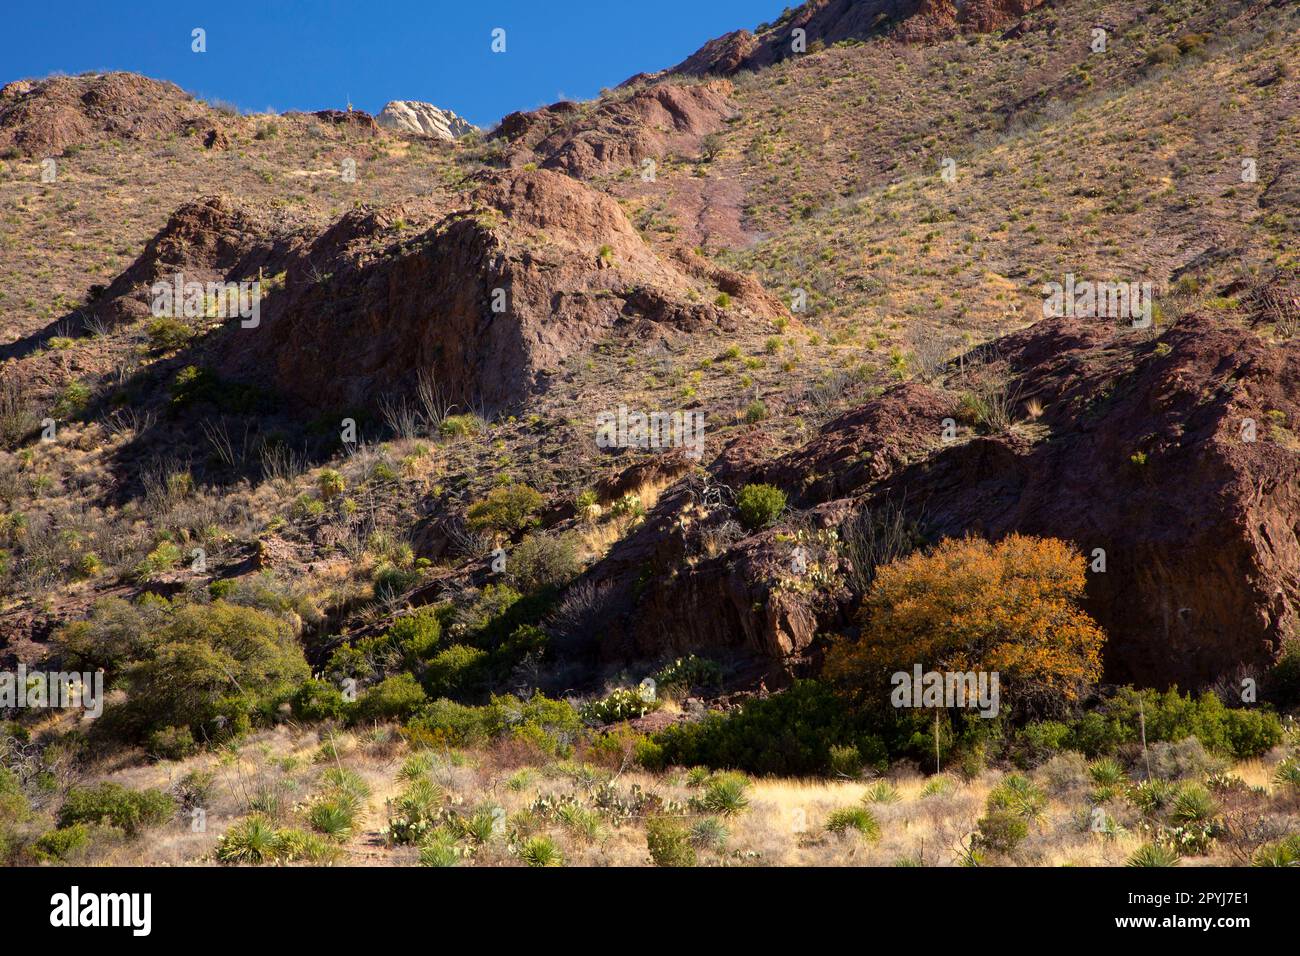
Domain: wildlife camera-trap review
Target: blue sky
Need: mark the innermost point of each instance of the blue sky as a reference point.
(317, 55)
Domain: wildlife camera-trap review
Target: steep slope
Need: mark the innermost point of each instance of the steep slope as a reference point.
(490, 299)
(1175, 456)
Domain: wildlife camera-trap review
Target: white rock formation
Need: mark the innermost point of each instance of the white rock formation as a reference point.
(423, 118)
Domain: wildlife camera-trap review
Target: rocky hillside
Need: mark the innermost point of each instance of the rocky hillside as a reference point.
(835, 250)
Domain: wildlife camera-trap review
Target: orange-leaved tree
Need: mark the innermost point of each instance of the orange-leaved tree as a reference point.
(971, 605)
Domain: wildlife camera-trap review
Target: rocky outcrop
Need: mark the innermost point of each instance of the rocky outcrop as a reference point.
(1138, 448)
(208, 240)
(656, 123)
(423, 119)
(825, 22)
(40, 117)
(490, 299)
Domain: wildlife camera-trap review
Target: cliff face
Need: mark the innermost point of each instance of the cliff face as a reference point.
(1173, 457)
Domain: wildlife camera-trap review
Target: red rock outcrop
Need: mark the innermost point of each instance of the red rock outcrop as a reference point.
(830, 21)
(1141, 449)
(40, 117)
(490, 299)
(660, 121)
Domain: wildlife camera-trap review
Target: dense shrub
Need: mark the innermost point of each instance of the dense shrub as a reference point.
(215, 668)
(759, 505)
(1001, 831)
(456, 671)
(394, 698)
(543, 561)
(318, 700)
(1170, 716)
(789, 734)
(669, 842)
(971, 605)
(505, 510)
(116, 633)
(687, 673)
(58, 845)
(114, 804)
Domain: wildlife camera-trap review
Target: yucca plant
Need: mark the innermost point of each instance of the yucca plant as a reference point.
(1287, 775)
(1285, 852)
(1019, 795)
(854, 818)
(1153, 854)
(1106, 772)
(541, 851)
(440, 850)
(1153, 797)
(1193, 805)
(709, 834)
(334, 819)
(725, 794)
(252, 840)
(882, 792)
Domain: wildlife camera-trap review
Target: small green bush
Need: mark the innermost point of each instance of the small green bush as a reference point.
(112, 803)
(669, 842)
(1001, 831)
(394, 698)
(58, 845)
(760, 505)
(505, 510)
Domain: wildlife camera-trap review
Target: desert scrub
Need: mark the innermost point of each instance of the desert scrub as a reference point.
(620, 704)
(505, 510)
(669, 842)
(254, 841)
(112, 803)
(759, 505)
(461, 426)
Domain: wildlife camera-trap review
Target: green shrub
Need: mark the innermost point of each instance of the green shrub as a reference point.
(330, 484)
(161, 559)
(505, 510)
(1170, 716)
(456, 671)
(859, 819)
(846, 761)
(541, 851)
(1019, 795)
(669, 842)
(318, 700)
(335, 817)
(216, 667)
(1153, 854)
(394, 698)
(543, 561)
(112, 803)
(171, 743)
(724, 794)
(1284, 852)
(786, 734)
(58, 845)
(254, 841)
(760, 505)
(1001, 831)
(460, 426)
(686, 673)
